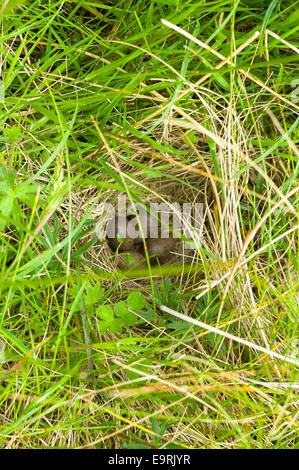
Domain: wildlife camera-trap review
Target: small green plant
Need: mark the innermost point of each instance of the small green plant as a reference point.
(115, 319)
(12, 196)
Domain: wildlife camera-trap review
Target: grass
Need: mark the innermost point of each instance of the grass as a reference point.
(100, 99)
